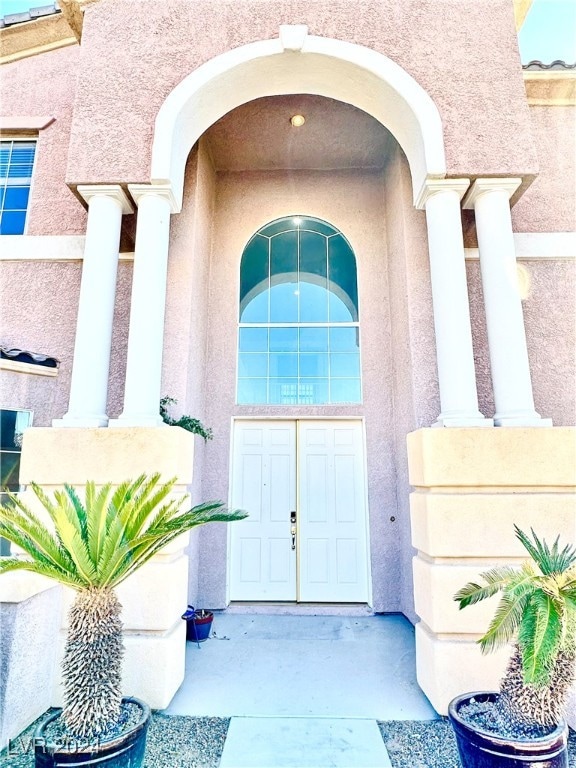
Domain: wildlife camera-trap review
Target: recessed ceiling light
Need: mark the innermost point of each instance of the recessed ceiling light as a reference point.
(297, 120)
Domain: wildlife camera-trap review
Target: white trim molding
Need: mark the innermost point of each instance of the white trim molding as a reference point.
(547, 246)
(296, 62)
(115, 191)
(529, 245)
(46, 248)
(489, 185)
(17, 367)
(433, 186)
(24, 123)
(138, 191)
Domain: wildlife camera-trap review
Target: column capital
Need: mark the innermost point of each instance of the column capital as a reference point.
(115, 191)
(164, 191)
(433, 186)
(480, 186)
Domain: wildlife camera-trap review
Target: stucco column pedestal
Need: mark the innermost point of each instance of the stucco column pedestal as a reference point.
(146, 335)
(154, 598)
(455, 358)
(29, 620)
(90, 370)
(470, 488)
(504, 318)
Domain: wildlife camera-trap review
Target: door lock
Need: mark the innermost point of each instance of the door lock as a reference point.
(293, 528)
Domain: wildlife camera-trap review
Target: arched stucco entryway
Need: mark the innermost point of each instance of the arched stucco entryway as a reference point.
(299, 63)
(296, 62)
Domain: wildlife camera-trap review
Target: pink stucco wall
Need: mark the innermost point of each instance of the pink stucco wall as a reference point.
(185, 330)
(549, 205)
(41, 86)
(39, 305)
(550, 322)
(134, 59)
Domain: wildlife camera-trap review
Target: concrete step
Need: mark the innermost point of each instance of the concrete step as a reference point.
(295, 742)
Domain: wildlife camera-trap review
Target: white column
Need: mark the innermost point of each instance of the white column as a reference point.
(91, 366)
(146, 335)
(490, 199)
(456, 372)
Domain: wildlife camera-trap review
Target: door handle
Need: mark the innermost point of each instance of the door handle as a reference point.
(293, 528)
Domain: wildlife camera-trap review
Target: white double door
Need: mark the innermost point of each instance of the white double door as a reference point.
(303, 484)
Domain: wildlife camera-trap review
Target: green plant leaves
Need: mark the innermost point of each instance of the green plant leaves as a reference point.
(100, 541)
(548, 560)
(537, 606)
(540, 637)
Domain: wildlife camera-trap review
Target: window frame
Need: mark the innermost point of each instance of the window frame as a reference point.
(269, 325)
(20, 138)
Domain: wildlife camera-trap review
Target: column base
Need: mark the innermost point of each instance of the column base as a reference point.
(81, 421)
(463, 421)
(471, 486)
(521, 421)
(137, 421)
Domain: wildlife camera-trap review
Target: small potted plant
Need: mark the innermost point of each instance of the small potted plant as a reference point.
(186, 422)
(523, 724)
(92, 545)
(198, 624)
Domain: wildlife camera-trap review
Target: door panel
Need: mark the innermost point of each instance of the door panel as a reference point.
(263, 564)
(332, 512)
(330, 563)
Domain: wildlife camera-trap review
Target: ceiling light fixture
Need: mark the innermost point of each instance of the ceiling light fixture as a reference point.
(297, 120)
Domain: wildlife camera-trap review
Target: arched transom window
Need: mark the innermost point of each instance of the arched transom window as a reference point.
(299, 334)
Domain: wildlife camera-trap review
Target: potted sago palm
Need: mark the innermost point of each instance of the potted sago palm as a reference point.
(523, 724)
(91, 543)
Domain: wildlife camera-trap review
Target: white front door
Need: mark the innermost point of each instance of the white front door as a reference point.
(313, 470)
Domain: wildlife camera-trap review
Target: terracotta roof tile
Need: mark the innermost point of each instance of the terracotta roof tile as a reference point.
(537, 65)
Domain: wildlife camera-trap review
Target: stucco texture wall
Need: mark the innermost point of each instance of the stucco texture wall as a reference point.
(550, 321)
(415, 381)
(549, 205)
(185, 330)
(42, 86)
(135, 52)
(43, 319)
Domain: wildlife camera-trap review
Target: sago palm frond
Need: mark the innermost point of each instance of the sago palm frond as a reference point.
(99, 542)
(20, 526)
(540, 638)
(41, 568)
(136, 552)
(549, 561)
(496, 579)
(505, 623)
(537, 610)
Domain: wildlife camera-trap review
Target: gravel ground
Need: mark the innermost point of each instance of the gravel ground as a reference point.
(431, 744)
(197, 742)
(173, 742)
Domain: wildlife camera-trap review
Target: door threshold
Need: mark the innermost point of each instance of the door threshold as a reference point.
(300, 609)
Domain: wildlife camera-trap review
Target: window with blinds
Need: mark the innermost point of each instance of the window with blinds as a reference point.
(16, 164)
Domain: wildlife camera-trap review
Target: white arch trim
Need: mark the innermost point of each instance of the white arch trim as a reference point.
(296, 62)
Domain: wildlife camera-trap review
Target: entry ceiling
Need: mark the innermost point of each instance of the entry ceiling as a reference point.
(258, 136)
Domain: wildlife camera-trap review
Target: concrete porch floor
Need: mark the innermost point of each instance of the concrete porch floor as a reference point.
(285, 666)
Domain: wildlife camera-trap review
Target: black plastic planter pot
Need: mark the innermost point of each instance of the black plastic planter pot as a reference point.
(126, 751)
(481, 749)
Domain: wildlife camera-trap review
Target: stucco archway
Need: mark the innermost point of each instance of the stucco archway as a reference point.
(296, 62)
